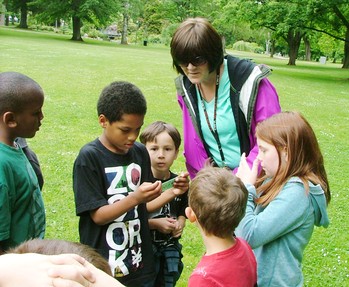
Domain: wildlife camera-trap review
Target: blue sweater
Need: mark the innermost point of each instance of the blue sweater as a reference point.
(279, 232)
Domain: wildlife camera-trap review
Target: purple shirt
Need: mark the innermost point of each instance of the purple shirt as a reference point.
(267, 104)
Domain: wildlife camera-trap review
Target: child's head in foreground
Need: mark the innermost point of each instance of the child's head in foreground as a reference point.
(121, 109)
(21, 101)
(56, 247)
(217, 199)
(162, 141)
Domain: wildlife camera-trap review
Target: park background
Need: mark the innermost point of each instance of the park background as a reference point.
(310, 30)
(73, 74)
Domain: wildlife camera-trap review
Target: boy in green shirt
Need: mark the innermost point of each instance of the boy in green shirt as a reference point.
(22, 213)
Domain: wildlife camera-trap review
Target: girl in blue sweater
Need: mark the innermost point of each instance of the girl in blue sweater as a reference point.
(286, 199)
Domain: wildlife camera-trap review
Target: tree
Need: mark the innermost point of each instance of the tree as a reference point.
(284, 18)
(125, 18)
(329, 47)
(331, 17)
(154, 16)
(7, 8)
(130, 10)
(91, 11)
(163, 16)
(22, 7)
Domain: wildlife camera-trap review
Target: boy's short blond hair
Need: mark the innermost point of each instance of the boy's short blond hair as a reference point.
(218, 199)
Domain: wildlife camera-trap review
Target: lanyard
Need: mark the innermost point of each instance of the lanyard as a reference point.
(214, 129)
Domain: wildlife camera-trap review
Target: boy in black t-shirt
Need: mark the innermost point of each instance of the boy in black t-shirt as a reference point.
(112, 181)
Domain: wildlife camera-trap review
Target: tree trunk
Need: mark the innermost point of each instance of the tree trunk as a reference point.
(77, 24)
(24, 15)
(124, 29)
(7, 20)
(307, 48)
(346, 50)
(272, 48)
(294, 41)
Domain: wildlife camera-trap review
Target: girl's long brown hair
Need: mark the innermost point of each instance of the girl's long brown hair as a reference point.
(291, 132)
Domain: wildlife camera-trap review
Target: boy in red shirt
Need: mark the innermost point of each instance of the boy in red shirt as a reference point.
(217, 203)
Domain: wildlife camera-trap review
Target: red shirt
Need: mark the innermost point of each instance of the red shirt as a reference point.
(234, 267)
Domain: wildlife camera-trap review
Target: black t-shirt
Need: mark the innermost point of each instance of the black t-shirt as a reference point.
(33, 159)
(175, 207)
(102, 177)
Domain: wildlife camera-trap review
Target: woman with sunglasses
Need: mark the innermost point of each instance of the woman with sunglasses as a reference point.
(222, 98)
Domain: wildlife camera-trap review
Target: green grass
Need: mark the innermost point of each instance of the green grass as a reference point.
(73, 75)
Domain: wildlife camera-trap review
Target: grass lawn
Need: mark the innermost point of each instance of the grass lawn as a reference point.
(73, 75)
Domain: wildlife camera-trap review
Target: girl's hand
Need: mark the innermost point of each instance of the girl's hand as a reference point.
(245, 173)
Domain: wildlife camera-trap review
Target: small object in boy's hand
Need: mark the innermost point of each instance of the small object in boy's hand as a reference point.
(167, 184)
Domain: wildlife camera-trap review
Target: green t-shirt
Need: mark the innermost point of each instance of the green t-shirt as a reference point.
(22, 212)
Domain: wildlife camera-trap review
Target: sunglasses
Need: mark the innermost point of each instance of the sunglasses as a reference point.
(197, 61)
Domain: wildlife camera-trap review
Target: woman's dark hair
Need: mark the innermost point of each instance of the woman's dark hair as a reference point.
(196, 37)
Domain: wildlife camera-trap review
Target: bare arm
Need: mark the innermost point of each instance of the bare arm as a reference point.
(35, 270)
(180, 186)
(101, 279)
(144, 193)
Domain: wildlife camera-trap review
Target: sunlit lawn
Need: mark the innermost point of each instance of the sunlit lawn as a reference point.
(73, 74)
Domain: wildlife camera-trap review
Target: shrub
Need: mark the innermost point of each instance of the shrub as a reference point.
(248, 47)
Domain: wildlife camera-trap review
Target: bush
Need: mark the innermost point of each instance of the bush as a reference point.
(167, 32)
(155, 39)
(96, 34)
(248, 47)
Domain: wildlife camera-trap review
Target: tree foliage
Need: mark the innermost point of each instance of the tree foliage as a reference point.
(293, 20)
(91, 11)
(281, 17)
(331, 17)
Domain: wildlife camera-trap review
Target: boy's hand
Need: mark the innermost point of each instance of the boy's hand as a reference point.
(164, 225)
(180, 224)
(148, 191)
(181, 183)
